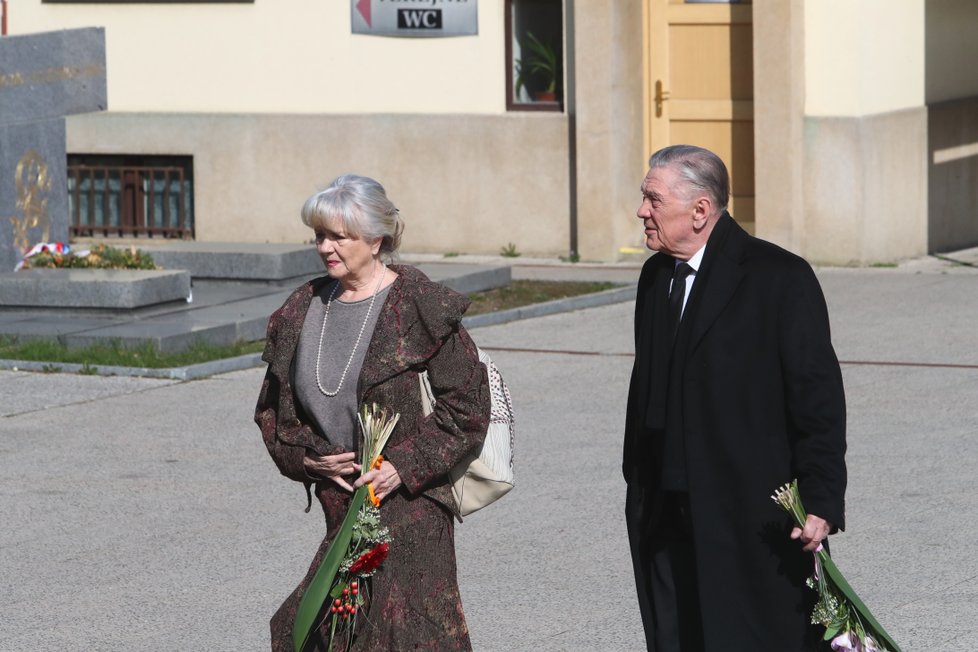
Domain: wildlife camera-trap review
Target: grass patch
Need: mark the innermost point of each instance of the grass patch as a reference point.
(116, 355)
(523, 293)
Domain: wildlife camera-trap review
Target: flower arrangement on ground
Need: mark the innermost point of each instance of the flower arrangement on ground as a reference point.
(339, 590)
(57, 255)
(848, 622)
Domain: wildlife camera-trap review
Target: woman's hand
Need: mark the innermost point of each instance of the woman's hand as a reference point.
(334, 467)
(386, 480)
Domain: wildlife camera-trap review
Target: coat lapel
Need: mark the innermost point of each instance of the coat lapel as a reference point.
(722, 274)
(416, 318)
(386, 355)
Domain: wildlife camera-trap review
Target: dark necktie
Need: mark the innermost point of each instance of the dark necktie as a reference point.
(676, 295)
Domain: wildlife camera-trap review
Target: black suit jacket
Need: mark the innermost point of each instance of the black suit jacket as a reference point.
(760, 399)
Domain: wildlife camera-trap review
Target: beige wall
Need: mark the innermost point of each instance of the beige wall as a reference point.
(467, 184)
(289, 56)
(611, 159)
(863, 56)
(274, 99)
(779, 108)
(841, 128)
(865, 188)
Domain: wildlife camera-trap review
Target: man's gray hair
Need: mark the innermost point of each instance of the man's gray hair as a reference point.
(700, 168)
(361, 206)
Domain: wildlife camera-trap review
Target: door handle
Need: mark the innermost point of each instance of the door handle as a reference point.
(660, 97)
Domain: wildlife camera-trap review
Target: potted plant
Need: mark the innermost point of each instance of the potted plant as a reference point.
(538, 62)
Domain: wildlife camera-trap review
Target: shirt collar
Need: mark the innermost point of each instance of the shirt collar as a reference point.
(696, 260)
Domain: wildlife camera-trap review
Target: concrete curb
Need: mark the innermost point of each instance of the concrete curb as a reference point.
(189, 372)
(204, 369)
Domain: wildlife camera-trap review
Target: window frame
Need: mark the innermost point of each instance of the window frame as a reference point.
(512, 103)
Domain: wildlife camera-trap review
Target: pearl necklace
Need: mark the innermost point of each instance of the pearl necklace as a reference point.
(322, 332)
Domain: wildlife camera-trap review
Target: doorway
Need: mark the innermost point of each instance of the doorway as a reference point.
(700, 87)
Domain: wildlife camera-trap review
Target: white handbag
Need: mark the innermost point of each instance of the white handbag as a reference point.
(486, 475)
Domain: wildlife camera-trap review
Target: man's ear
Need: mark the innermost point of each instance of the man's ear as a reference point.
(702, 210)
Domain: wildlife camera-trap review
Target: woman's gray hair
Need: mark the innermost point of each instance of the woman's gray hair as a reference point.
(361, 206)
(700, 168)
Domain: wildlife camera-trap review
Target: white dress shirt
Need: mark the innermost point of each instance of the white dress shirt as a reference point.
(695, 263)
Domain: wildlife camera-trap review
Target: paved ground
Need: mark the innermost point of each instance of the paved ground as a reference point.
(144, 514)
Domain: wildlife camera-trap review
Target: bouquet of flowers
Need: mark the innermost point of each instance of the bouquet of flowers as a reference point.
(848, 622)
(338, 590)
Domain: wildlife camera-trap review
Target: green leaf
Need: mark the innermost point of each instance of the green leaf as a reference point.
(318, 589)
(832, 631)
(875, 629)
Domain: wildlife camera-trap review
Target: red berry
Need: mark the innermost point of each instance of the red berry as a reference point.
(333, 609)
(354, 585)
(353, 610)
(355, 592)
(337, 602)
(346, 616)
(346, 591)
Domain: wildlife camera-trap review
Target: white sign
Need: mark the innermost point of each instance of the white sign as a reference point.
(415, 18)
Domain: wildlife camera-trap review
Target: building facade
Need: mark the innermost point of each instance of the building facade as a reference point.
(850, 126)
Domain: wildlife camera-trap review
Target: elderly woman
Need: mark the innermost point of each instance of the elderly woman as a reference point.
(362, 333)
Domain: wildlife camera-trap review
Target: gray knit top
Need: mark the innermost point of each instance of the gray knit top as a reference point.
(336, 416)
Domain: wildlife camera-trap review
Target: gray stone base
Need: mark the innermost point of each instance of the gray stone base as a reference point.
(92, 288)
(222, 312)
(238, 260)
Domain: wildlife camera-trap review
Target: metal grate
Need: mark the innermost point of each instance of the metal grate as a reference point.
(130, 200)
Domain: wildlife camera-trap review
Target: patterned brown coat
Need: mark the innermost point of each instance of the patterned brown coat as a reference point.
(415, 602)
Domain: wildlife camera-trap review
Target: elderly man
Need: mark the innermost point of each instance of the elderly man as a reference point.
(736, 390)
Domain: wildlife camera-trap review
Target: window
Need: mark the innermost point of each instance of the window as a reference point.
(534, 55)
(131, 196)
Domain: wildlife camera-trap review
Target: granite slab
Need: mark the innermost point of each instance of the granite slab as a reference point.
(58, 289)
(237, 260)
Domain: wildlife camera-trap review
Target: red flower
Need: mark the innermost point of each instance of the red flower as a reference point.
(370, 560)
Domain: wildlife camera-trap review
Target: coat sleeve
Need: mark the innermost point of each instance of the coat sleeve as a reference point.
(287, 458)
(460, 419)
(277, 416)
(636, 403)
(815, 398)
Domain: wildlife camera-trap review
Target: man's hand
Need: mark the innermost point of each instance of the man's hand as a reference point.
(815, 530)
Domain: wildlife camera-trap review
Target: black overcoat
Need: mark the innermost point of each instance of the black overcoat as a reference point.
(761, 402)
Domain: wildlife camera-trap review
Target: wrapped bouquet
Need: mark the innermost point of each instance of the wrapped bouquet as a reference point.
(849, 625)
(339, 591)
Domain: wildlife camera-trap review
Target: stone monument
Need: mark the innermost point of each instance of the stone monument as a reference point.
(43, 78)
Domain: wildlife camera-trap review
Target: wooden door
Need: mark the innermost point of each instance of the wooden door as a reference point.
(701, 87)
